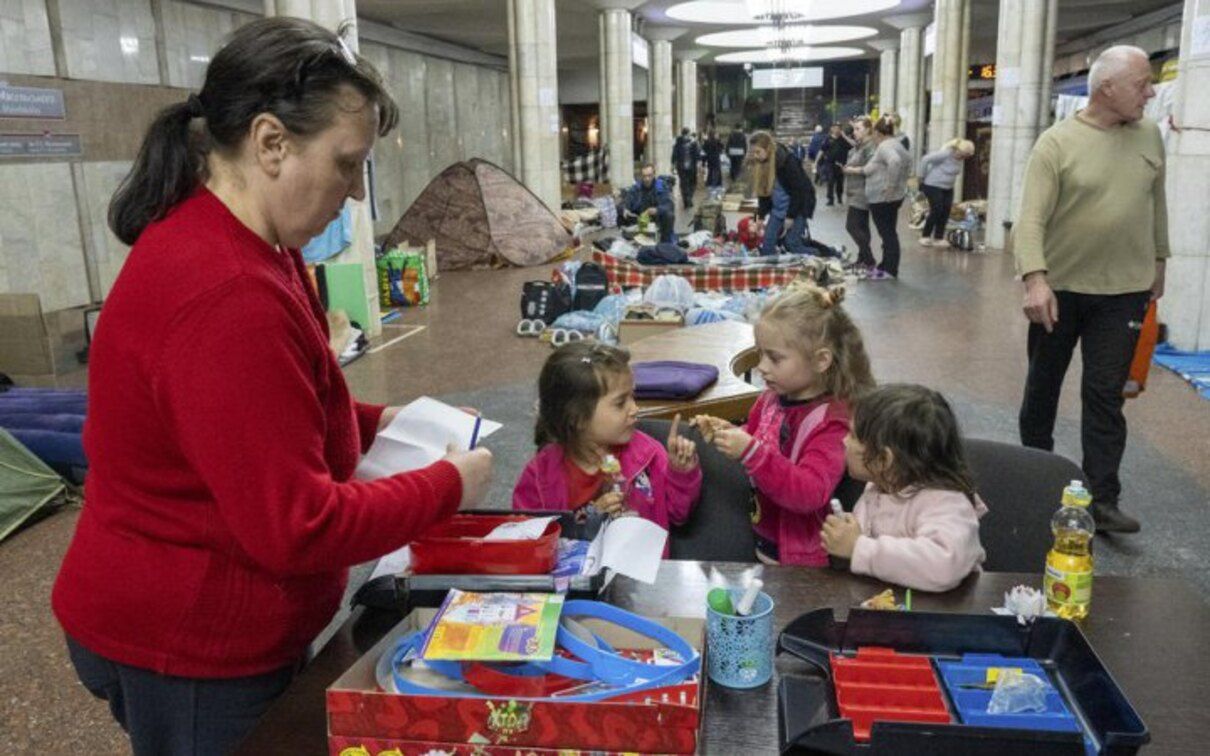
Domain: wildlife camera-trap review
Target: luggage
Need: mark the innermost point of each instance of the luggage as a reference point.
(592, 285)
(545, 301)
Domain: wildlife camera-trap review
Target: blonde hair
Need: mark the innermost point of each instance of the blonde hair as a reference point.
(811, 317)
(764, 173)
(965, 146)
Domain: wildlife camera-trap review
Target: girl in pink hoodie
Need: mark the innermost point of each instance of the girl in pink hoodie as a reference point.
(813, 363)
(917, 524)
(591, 455)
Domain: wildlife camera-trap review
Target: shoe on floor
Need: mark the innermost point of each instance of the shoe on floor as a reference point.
(1110, 519)
(926, 241)
(878, 274)
(941, 244)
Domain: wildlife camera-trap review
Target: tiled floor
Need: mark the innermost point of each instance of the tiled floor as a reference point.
(953, 321)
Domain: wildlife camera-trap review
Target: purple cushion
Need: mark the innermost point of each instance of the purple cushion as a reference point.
(668, 379)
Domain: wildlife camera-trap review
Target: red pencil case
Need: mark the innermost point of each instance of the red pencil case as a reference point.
(456, 547)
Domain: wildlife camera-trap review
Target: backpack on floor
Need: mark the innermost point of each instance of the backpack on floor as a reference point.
(544, 300)
(960, 238)
(592, 285)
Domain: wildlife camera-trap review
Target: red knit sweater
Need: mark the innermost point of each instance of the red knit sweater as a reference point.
(220, 515)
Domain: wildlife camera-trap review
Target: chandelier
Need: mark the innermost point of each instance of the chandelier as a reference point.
(776, 12)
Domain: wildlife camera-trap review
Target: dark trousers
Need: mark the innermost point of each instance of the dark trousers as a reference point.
(1107, 327)
(886, 215)
(941, 201)
(688, 182)
(836, 184)
(858, 225)
(171, 716)
(737, 165)
(714, 173)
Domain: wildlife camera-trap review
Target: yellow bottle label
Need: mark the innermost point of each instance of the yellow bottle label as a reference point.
(1067, 587)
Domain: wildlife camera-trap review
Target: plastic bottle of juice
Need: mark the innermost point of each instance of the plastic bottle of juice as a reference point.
(1068, 579)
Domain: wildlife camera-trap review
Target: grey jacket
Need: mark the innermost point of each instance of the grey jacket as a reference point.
(854, 185)
(940, 169)
(887, 172)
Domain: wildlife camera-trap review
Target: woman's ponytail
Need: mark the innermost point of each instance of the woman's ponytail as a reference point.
(164, 173)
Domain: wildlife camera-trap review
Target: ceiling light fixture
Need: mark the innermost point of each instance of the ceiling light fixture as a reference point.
(805, 34)
(778, 56)
(735, 12)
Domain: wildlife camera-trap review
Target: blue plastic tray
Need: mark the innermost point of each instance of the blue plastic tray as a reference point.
(971, 705)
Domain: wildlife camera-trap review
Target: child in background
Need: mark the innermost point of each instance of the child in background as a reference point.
(586, 421)
(814, 363)
(917, 524)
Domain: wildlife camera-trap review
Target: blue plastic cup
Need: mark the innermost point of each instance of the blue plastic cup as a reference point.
(739, 650)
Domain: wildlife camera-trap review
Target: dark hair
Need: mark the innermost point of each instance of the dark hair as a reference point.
(865, 122)
(289, 67)
(885, 125)
(918, 427)
(572, 381)
(645, 166)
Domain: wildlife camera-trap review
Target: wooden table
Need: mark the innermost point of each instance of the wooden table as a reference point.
(730, 346)
(1151, 634)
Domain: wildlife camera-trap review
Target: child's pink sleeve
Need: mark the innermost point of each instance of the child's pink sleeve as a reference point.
(525, 492)
(944, 550)
(681, 491)
(808, 485)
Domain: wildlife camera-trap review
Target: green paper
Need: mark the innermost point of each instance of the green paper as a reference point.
(347, 291)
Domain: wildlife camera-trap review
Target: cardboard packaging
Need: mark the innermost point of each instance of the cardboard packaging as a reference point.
(37, 348)
(630, 331)
(364, 720)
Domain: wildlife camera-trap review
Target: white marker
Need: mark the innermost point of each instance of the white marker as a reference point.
(744, 607)
(836, 508)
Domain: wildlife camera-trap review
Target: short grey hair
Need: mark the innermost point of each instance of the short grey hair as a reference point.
(1111, 63)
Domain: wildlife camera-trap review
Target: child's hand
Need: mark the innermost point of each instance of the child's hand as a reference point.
(612, 503)
(732, 441)
(682, 453)
(840, 535)
(708, 426)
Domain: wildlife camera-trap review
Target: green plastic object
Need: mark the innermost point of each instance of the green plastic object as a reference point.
(347, 291)
(719, 600)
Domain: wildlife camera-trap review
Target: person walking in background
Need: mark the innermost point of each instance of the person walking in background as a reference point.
(816, 144)
(712, 152)
(886, 176)
(858, 221)
(1091, 244)
(938, 172)
(835, 152)
(737, 150)
(685, 157)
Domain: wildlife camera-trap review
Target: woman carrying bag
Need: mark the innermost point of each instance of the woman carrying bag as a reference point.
(220, 511)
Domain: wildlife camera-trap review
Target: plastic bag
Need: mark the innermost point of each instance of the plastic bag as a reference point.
(670, 291)
(1017, 692)
(403, 279)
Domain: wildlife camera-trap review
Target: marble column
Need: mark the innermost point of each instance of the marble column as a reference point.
(335, 14)
(659, 106)
(618, 99)
(949, 70)
(686, 94)
(535, 91)
(887, 73)
(1021, 57)
(909, 96)
(1045, 110)
(1186, 305)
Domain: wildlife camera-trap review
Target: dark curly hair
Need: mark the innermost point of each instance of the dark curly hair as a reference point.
(572, 381)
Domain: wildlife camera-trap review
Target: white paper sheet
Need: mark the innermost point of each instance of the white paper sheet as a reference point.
(418, 437)
(395, 563)
(630, 546)
(525, 530)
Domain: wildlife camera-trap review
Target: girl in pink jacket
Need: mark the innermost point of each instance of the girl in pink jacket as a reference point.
(590, 453)
(917, 524)
(813, 362)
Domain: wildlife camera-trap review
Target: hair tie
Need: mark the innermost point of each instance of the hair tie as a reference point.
(193, 104)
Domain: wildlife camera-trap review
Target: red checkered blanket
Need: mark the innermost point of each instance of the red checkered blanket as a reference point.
(628, 274)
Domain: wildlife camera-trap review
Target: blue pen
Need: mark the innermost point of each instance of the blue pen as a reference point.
(475, 432)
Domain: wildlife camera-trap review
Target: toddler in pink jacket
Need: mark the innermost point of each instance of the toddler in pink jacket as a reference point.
(590, 453)
(813, 362)
(917, 524)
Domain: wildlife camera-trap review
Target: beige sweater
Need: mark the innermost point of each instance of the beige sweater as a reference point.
(1093, 214)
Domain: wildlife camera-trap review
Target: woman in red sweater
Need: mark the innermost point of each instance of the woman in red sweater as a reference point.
(220, 511)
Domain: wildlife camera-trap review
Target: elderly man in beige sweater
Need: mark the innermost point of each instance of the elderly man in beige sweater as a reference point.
(1090, 241)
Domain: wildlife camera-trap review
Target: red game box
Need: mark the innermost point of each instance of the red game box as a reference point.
(360, 715)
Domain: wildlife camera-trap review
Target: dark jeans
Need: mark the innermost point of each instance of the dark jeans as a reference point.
(886, 215)
(167, 716)
(737, 165)
(941, 201)
(1107, 327)
(714, 173)
(688, 182)
(858, 226)
(836, 184)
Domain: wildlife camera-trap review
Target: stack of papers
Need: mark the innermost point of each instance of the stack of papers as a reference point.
(419, 436)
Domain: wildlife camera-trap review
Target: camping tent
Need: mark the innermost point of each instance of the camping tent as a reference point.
(481, 216)
(26, 484)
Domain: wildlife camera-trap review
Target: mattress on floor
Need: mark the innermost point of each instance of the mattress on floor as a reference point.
(628, 274)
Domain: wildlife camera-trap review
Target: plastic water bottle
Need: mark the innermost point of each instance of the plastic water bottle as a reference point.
(1068, 579)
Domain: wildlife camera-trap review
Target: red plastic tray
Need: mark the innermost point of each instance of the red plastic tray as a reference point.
(879, 684)
(456, 547)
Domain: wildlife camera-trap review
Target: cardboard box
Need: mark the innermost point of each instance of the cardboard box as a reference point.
(360, 715)
(37, 347)
(630, 331)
